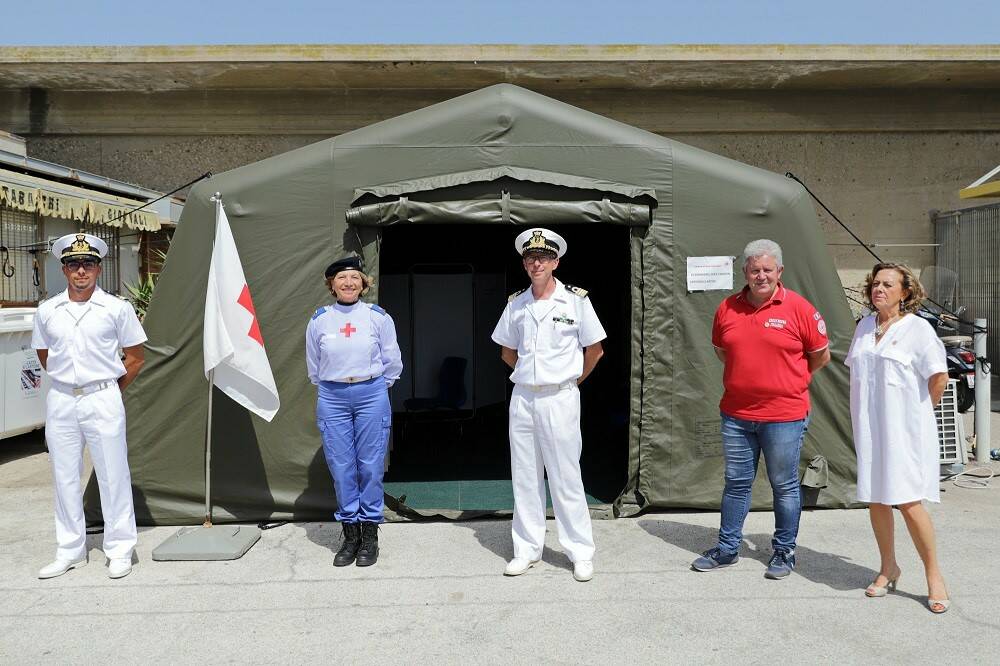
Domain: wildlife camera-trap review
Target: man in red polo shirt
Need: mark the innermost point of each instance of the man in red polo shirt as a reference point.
(770, 341)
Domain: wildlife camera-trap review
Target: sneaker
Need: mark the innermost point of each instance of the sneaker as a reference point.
(715, 559)
(780, 566)
(59, 567)
(518, 566)
(119, 567)
(583, 570)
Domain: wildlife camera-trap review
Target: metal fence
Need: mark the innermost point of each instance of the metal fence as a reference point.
(108, 281)
(21, 257)
(24, 251)
(969, 244)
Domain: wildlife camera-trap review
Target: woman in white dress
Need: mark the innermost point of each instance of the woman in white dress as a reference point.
(898, 374)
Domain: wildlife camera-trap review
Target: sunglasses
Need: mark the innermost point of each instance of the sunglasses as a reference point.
(540, 258)
(86, 264)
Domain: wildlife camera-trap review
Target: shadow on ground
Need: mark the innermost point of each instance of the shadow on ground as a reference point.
(835, 571)
(494, 536)
(22, 446)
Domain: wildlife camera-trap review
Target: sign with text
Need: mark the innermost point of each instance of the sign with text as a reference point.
(709, 273)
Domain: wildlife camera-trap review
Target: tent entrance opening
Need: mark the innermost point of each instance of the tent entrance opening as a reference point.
(445, 287)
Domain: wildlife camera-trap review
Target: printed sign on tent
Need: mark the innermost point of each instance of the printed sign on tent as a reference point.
(709, 273)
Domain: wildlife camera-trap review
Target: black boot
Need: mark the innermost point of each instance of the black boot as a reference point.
(349, 549)
(368, 553)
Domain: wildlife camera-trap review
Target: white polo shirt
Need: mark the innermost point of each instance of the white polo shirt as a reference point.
(549, 335)
(84, 339)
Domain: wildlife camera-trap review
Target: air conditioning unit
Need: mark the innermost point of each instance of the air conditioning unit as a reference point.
(951, 428)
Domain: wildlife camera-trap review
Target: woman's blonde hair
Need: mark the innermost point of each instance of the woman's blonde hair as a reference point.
(915, 293)
(365, 279)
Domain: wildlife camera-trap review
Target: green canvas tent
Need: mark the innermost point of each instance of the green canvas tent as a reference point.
(432, 201)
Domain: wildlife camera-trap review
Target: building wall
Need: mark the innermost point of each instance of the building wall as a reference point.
(881, 161)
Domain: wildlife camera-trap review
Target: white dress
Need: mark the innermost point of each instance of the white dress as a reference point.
(895, 432)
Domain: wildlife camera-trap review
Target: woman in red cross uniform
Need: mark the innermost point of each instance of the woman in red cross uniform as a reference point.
(353, 358)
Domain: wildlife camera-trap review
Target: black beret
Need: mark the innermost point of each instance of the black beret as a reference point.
(345, 264)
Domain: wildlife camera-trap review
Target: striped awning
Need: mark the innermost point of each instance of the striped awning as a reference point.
(67, 202)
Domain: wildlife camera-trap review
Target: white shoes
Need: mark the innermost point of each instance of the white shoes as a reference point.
(59, 567)
(518, 566)
(583, 570)
(119, 567)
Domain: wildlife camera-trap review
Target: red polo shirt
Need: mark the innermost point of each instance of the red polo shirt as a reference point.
(767, 374)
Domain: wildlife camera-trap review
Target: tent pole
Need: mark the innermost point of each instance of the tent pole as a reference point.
(208, 453)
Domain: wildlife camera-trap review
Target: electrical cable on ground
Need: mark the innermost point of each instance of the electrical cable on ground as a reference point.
(973, 481)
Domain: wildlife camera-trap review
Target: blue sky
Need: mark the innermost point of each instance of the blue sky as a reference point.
(101, 22)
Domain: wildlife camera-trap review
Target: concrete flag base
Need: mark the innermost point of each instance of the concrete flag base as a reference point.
(217, 542)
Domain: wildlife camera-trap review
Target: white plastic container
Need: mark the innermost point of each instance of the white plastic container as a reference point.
(22, 379)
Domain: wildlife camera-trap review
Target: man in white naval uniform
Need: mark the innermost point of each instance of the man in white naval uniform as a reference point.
(551, 336)
(77, 335)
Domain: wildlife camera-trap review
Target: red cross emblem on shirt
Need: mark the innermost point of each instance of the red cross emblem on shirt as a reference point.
(348, 329)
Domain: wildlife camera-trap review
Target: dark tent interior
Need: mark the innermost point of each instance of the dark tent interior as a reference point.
(445, 286)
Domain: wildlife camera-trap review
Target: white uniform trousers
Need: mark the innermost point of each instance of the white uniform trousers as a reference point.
(545, 437)
(99, 419)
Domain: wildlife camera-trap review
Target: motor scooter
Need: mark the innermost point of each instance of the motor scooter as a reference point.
(959, 356)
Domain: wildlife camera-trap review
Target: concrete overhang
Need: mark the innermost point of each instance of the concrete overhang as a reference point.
(464, 67)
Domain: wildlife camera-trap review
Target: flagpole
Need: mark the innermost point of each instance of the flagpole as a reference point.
(208, 421)
(208, 453)
(208, 542)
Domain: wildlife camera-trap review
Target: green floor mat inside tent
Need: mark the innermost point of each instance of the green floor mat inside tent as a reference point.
(478, 495)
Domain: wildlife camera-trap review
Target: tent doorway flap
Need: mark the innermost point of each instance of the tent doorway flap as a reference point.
(500, 211)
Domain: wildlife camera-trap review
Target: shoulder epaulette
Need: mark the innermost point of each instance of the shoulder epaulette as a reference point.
(377, 309)
(579, 291)
(516, 294)
(319, 311)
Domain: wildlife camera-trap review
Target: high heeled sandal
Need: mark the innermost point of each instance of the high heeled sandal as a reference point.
(943, 605)
(874, 591)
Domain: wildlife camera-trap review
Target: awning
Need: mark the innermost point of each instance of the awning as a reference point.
(67, 202)
(980, 188)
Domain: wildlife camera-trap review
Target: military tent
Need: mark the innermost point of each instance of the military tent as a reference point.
(432, 201)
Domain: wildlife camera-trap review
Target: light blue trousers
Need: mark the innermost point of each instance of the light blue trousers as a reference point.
(354, 420)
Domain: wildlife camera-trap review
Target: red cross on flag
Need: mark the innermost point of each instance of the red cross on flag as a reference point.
(234, 346)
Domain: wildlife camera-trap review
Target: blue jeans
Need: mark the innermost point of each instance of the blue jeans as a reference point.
(742, 443)
(354, 420)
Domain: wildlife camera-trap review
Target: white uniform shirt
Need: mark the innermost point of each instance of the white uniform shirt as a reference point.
(357, 340)
(549, 335)
(895, 432)
(84, 341)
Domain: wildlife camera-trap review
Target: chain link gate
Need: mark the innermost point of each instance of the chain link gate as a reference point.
(969, 245)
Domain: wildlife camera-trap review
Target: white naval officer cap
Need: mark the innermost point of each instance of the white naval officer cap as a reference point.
(79, 246)
(540, 239)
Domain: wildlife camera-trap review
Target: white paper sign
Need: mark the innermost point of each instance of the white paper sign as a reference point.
(708, 273)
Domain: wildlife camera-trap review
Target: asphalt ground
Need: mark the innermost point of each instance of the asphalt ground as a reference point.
(437, 593)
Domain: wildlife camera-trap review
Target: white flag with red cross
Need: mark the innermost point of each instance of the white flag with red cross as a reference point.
(234, 347)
